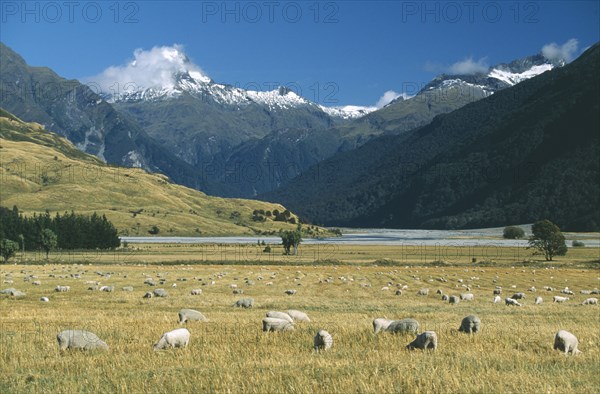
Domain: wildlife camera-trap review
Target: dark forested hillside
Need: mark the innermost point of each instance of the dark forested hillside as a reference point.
(526, 153)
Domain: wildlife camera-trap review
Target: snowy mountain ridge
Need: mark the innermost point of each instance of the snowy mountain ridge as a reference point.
(201, 87)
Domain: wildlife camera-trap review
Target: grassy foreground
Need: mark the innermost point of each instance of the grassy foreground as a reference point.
(229, 353)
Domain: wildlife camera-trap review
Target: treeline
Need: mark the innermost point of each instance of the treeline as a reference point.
(73, 231)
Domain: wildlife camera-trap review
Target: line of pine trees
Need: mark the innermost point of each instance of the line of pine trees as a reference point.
(73, 231)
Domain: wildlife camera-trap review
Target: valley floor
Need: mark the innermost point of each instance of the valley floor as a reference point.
(230, 353)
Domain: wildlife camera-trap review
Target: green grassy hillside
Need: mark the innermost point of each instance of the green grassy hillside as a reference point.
(42, 171)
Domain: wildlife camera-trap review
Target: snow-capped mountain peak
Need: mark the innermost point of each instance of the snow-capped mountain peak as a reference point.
(497, 77)
(511, 78)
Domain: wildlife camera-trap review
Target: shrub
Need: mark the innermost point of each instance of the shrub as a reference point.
(577, 244)
(512, 232)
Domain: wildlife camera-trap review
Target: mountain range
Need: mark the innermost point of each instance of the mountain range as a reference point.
(522, 154)
(222, 139)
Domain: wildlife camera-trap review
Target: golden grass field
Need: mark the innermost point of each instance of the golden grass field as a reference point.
(230, 353)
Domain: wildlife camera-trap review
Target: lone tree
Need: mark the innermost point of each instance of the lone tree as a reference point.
(547, 239)
(513, 232)
(8, 249)
(48, 240)
(291, 239)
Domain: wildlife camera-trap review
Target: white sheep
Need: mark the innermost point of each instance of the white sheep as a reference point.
(538, 300)
(172, 339)
(272, 324)
(467, 297)
(280, 315)
(566, 342)
(497, 299)
(186, 315)
(196, 292)
(62, 288)
(323, 340)
(381, 325)
(512, 301)
(590, 301)
(79, 339)
(560, 299)
(425, 340)
(297, 315)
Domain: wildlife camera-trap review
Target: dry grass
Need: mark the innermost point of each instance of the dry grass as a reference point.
(323, 254)
(229, 353)
(41, 171)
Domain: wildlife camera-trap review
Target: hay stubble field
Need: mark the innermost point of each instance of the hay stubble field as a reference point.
(230, 353)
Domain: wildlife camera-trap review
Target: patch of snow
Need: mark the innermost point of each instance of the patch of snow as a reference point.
(347, 111)
(514, 78)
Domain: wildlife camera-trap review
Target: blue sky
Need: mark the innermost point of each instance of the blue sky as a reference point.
(335, 53)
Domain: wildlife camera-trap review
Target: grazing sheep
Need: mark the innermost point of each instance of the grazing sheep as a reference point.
(470, 324)
(497, 291)
(44, 299)
(595, 291)
(148, 295)
(453, 299)
(186, 315)
(244, 303)
(238, 291)
(36, 283)
(560, 299)
(512, 301)
(538, 300)
(439, 291)
(280, 315)
(467, 297)
(532, 289)
(566, 342)
(497, 299)
(107, 289)
(381, 325)
(398, 292)
(127, 288)
(403, 326)
(150, 282)
(160, 293)
(590, 301)
(62, 288)
(586, 292)
(445, 297)
(423, 292)
(518, 296)
(323, 340)
(79, 339)
(425, 340)
(291, 292)
(196, 292)
(172, 339)
(272, 324)
(297, 315)
(567, 291)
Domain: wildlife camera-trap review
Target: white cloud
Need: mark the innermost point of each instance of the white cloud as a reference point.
(390, 96)
(564, 52)
(148, 69)
(469, 66)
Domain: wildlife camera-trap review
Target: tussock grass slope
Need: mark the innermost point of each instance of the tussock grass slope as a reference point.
(41, 171)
